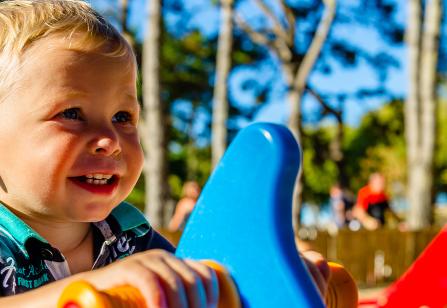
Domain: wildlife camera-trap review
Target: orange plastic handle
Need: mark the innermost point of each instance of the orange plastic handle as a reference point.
(342, 292)
(228, 294)
(81, 294)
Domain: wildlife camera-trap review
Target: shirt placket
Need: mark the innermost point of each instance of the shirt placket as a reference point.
(110, 239)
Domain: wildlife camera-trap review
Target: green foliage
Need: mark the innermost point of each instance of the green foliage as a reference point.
(319, 172)
(188, 163)
(389, 160)
(441, 157)
(378, 139)
(175, 183)
(317, 178)
(188, 64)
(376, 145)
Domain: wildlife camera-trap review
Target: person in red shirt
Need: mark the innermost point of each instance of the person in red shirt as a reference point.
(372, 203)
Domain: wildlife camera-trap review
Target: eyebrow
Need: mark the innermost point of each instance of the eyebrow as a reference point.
(70, 93)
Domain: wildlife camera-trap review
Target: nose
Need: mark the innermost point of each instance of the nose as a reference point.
(105, 142)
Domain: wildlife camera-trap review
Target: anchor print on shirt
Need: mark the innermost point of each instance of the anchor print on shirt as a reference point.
(8, 272)
(123, 246)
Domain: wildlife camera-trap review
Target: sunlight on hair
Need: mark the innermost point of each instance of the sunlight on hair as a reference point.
(23, 22)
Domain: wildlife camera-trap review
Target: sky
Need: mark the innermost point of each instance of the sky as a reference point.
(206, 17)
(341, 80)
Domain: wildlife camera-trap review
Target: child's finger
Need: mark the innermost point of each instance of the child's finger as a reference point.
(315, 272)
(209, 279)
(192, 282)
(171, 282)
(134, 273)
(321, 263)
(151, 288)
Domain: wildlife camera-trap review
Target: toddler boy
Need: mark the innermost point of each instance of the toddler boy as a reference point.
(70, 154)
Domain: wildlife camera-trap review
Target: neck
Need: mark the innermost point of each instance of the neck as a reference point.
(77, 248)
(65, 236)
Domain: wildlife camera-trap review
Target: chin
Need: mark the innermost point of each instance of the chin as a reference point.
(94, 215)
(91, 211)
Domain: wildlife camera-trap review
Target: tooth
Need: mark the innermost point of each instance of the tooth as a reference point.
(94, 178)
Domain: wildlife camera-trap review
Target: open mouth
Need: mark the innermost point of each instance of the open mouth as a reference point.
(97, 183)
(97, 179)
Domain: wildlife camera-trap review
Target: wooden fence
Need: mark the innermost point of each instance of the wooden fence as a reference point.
(372, 257)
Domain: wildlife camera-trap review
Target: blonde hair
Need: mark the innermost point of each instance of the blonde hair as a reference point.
(23, 22)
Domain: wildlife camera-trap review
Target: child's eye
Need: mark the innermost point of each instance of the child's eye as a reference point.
(71, 114)
(122, 117)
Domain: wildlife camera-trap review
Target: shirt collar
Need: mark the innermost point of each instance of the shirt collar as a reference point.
(126, 216)
(129, 218)
(17, 229)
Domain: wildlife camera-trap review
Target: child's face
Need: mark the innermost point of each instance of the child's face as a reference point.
(71, 118)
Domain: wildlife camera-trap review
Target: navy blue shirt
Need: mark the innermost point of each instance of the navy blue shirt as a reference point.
(28, 261)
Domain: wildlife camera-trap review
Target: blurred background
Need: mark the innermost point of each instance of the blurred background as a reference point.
(361, 84)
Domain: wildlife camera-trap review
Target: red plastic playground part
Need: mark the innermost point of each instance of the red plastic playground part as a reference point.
(423, 285)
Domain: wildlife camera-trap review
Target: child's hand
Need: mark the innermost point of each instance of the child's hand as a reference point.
(162, 279)
(318, 268)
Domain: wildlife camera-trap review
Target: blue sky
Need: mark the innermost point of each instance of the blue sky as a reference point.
(206, 17)
(341, 80)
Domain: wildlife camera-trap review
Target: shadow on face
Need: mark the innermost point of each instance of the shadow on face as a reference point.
(3, 186)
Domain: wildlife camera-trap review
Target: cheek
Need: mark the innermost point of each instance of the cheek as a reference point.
(136, 158)
(58, 149)
(50, 157)
(133, 155)
(52, 161)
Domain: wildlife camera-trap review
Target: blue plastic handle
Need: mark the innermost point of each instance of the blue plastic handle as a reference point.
(243, 219)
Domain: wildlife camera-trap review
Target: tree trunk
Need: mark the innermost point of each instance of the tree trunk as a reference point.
(296, 91)
(421, 109)
(282, 43)
(124, 14)
(124, 19)
(294, 98)
(220, 101)
(414, 169)
(336, 146)
(154, 134)
(336, 151)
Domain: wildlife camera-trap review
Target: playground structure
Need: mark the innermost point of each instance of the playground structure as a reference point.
(243, 221)
(424, 284)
